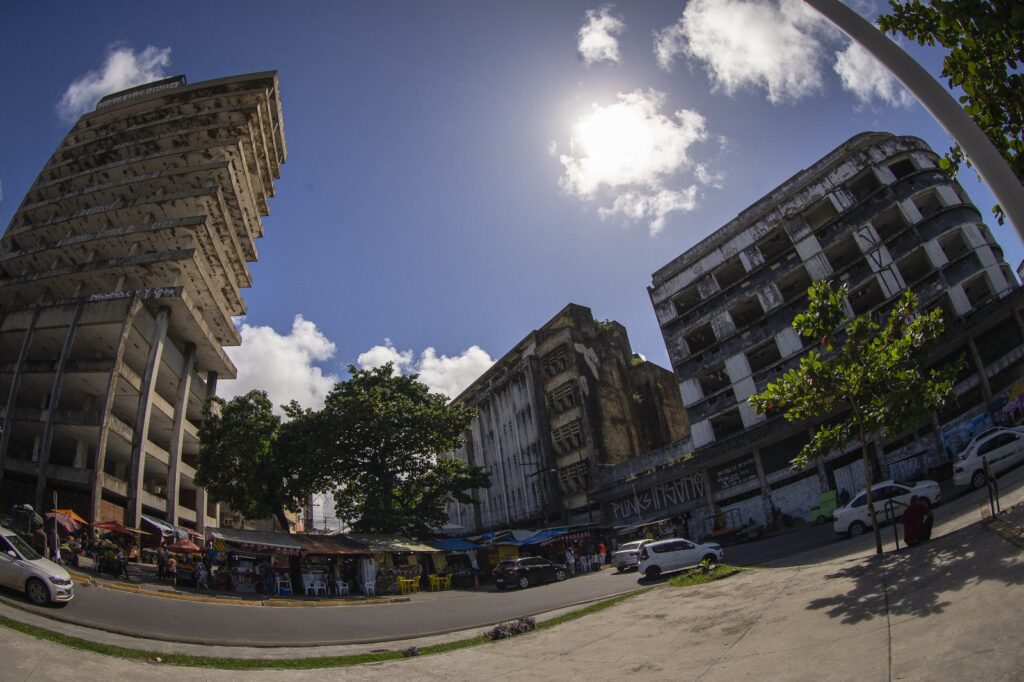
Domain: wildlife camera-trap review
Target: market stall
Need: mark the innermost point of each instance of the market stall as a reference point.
(254, 560)
(461, 556)
(395, 558)
(330, 563)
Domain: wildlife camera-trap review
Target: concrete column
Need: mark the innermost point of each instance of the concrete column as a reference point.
(96, 481)
(979, 369)
(55, 389)
(200, 509)
(211, 384)
(12, 394)
(178, 437)
(766, 492)
(156, 351)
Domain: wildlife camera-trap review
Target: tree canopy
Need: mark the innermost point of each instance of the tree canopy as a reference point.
(257, 464)
(872, 373)
(985, 40)
(386, 433)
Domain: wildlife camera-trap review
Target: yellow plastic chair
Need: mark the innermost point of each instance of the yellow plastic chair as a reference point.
(445, 581)
(435, 582)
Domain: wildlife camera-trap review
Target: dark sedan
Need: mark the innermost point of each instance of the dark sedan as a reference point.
(527, 571)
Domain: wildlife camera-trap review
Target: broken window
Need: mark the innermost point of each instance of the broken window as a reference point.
(574, 478)
(568, 437)
(977, 290)
(843, 254)
(714, 381)
(763, 355)
(746, 312)
(953, 244)
(730, 273)
(902, 168)
(914, 266)
(820, 214)
(556, 361)
(774, 246)
(795, 283)
(928, 203)
(727, 423)
(686, 300)
(563, 397)
(889, 223)
(863, 185)
(866, 297)
(700, 338)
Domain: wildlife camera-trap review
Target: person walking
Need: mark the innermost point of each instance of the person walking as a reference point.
(122, 563)
(913, 521)
(200, 575)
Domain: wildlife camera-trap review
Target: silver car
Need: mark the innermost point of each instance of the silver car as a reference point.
(21, 568)
(628, 555)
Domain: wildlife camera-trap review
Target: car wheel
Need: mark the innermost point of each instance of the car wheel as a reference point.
(710, 558)
(978, 479)
(559, 575)
(37, 592)
(523, 582)
(652, 572)
(857, 528)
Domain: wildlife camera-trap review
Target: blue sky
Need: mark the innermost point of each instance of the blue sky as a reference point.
(459, 171)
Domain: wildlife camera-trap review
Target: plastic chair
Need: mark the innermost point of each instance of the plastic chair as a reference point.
(370, 589)
(284, 586)
(445, 581)
(435, 582)
(341, 587)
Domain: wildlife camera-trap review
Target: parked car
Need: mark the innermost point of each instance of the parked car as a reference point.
(671, 555)
(628, 555)
(1000, 447)
(527, 571)
(21, 568)
(853, 518)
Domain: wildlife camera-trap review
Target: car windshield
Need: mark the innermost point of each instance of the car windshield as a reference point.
(23, 547)
(630, 545)
(505, 565)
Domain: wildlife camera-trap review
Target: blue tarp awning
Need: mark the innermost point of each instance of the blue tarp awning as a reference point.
(546, 535)
(455, 545)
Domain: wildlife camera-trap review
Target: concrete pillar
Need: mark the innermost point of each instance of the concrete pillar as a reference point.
(96, 482)
(12, 394)
(55, 389)
(200, 509)
(979, 369)
(178, 438)
(766, 492)
(156, 351)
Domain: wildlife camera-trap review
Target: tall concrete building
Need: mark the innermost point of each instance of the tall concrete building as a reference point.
(119, 275)
(877, 214)
(568, 400)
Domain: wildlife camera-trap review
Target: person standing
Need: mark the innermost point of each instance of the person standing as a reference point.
(122, 563)
(929, 520)
(913, 522)
(602, 552)
(570, 561)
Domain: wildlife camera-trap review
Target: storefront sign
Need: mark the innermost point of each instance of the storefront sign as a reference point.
(666, 496)
(734, 473)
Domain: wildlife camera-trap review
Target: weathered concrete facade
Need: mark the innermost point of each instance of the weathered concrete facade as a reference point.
(119, 275)
(876, 213)
(569, 399)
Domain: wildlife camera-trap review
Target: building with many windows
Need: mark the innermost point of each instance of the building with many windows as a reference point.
(570, 399)
(878, 214)
(119, 275)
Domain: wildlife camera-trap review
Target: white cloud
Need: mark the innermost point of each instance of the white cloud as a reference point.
(868, 80)
(282, 364)
(442, 374)
(123, 68)
(627, 151)
(750, 43)
(597, 41)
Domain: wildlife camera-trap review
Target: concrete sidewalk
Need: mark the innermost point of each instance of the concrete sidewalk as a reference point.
(946, 610)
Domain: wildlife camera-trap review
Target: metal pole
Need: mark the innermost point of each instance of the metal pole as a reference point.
(985, 158)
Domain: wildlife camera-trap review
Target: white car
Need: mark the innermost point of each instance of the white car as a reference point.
(671, 555)
(21, 568)
(628, 555)
(853, 518)
(1000, 447)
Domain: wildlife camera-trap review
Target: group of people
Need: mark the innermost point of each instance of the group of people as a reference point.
(167, 567)
(586, 561)
(917, 520)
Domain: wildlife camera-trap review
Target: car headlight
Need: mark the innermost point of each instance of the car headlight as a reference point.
(59, 581)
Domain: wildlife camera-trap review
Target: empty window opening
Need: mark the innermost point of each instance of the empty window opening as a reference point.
(686, 300)
(954, 245)
(730, 273)
(746, 312)
(820, 214)
(843, 254)
(914, 266)
(902, 168)
(864, 185)
(714, 381)
(889, 223)
(700, 338)
(775, 245)
(867, 297)
(977, 290)
(727, 423)
(794, 284)
(944, 303)
(928, 203)
(764, 355)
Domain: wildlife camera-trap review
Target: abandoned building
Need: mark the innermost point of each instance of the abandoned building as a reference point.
(119, 275)
(878, 214)
(571, 398)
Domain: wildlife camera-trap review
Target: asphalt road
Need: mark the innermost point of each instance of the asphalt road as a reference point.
(432, 613)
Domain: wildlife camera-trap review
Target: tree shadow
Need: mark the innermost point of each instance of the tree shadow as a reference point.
(915, 581)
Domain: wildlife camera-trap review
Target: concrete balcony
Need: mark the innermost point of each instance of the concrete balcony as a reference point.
(115, 485)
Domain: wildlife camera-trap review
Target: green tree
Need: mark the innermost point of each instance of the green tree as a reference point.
(258, 464)
(985, 40)
(385, 435)
(872, 374)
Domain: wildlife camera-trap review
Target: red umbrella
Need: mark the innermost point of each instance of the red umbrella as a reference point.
(183, 546)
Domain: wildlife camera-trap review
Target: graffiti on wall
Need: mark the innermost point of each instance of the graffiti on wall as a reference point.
(665, 496)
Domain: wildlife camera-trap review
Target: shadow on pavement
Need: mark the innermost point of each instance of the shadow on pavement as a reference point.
(916, 581)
